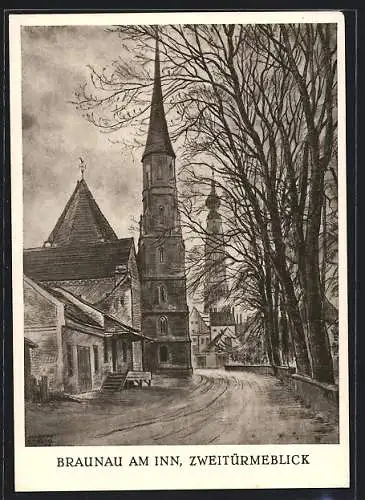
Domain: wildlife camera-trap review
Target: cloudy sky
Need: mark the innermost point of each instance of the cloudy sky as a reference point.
(55, 135)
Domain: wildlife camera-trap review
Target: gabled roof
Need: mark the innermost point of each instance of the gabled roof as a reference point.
(158, 139)
(195, 315)
(81, 221)
(73, 309)
(97, 260)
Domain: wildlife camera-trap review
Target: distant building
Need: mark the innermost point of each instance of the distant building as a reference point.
(213, 331)
(200, 335)
(215, 284)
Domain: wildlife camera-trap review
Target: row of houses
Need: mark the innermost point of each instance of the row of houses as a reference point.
(73, 345)
(213, 337)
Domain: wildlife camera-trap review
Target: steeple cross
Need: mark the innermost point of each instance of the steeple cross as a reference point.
(82, 167)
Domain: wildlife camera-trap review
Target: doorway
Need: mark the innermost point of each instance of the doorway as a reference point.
(84, 368)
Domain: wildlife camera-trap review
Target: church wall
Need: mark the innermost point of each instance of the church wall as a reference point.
(178, 357)
(135, 291)
(119, 304)
(177, 325)
(173, 260)
(174, 291)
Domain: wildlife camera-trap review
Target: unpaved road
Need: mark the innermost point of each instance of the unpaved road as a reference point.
(214, 407)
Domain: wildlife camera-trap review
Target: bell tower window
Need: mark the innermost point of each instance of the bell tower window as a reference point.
(161, 254)
(163, 295)
(163, 325)
(171, 169)
(161, 213)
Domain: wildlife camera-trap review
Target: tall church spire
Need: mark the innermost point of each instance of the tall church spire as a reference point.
(161, 250)
(215, 286)
(158, 139)
(212, 202)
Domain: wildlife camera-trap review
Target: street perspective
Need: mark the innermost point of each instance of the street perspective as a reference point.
(180, 233)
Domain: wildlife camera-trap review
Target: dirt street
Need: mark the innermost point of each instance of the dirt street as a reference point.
(213, 407)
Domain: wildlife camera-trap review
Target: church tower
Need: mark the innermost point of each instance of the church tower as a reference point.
(161, 252)
(215, 285)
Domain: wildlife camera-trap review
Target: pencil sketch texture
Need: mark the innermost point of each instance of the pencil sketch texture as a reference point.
(180, 229)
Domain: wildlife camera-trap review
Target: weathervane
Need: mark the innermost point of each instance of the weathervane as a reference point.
(82, 167)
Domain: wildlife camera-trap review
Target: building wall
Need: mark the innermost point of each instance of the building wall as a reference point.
(38, 310)
(42, 325)
(119, 303)
(45, 360)
(74, 338)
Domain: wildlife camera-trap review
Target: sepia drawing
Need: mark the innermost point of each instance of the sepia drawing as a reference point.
(181, 234)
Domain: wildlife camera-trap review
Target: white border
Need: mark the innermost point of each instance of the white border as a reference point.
(35, 468)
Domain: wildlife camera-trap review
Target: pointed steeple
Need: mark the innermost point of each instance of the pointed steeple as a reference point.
(81, 221)
(212, 202)
(158, 139)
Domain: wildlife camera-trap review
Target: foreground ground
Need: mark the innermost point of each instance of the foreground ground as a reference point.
(213, 407)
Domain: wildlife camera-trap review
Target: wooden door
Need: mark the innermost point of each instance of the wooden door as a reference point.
(84, 368)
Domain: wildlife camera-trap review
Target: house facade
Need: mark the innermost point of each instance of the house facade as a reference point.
(76, 345)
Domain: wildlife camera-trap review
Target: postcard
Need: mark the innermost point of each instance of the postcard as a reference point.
(179, 246)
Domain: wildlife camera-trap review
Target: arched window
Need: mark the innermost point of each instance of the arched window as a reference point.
(163, 325)
(161, 254)
(164, 354)
(163, 294)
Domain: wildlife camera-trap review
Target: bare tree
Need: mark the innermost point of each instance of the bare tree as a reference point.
(259, 103)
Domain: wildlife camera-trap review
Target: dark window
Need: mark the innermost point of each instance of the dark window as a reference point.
(161, 210)
(163, 295)
(164, 354)
(163, 325)
(121, 300)
(161, 254)
(159, 170)
(124, 351)
(106, 359)
(96, 358)
(69, 360)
